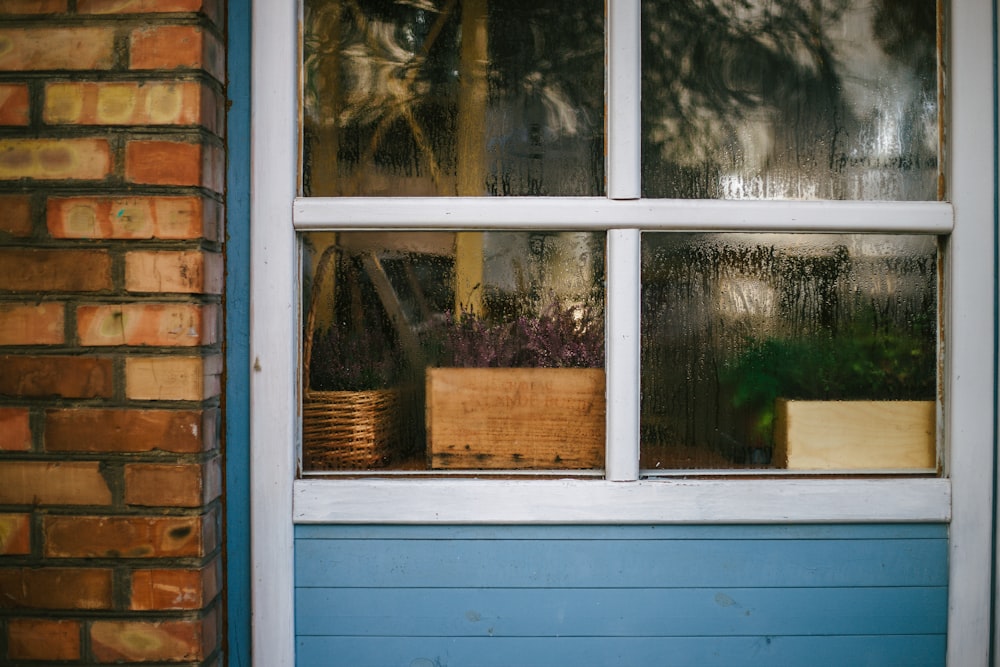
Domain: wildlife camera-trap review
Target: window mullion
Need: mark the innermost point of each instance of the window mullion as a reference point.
(623, 93)
(622, 344)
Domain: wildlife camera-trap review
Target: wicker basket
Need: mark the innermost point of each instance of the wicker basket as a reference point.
(344, 430)
(349, 429)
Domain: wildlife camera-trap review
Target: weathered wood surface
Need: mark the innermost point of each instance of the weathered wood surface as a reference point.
(515, 418)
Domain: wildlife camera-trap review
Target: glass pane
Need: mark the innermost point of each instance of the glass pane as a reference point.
(453, 350)
(453, 97)
(829, 99)
(788, 351)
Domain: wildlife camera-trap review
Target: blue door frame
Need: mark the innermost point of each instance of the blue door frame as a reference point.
(237, 338)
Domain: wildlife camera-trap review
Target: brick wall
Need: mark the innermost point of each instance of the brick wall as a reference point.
(112, 169)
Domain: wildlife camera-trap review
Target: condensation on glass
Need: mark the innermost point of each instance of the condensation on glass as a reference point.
(449, 351)
(830, 99)
(737, 329)
(453, 97)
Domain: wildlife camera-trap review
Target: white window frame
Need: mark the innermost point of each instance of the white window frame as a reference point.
(962, 497)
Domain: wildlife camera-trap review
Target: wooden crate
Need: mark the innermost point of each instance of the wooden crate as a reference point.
(515, 418)
(854, 435)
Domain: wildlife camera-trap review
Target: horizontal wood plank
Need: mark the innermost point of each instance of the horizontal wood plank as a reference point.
(650, 612)
(635, 564)
(764, 651)
(897, 531)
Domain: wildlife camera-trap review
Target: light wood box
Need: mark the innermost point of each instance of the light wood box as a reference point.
(855, 435)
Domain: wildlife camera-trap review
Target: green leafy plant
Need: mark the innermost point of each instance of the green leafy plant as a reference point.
(860, 364)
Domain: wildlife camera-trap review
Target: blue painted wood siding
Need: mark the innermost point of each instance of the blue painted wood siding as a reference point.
(513, 596)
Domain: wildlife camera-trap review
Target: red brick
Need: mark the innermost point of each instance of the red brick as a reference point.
(174, 272)
(130, 103)
(172, 485)
(20, 7)
(33, 270)
(129, 536)
(109, 430)
(55, 588)
(163, 590)
(171, 378)
(43, 639)
(15, 215)
(46, 377)
(176, 47)
(133, 218)
(153, 641)
(174, 163)
(32, 324)
(14, 105)
(161, 324)
(15, 430)
(47, 483)
(54, 159)
(15, 534)
(79, 48)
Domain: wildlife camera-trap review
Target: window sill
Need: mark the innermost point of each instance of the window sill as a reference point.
(656, 501)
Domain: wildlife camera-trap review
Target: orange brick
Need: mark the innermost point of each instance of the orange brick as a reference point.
(47, 377)
(54, 159)
(152, 641)
(43, 639)
(129, 536)
(176, 47)
(32, 270)
(109, 430)
(15, 430)
(15, 534)
(14, 105)
(174, 272)
(137, 6)
(31, 324)
(33, 49)
(20, 7)
(174, 163)
(171, 378)
(161, 590)
(210, 8)
(162, 324)
(15, 215)
(55, 588)
(45, 483)
(129, 103)
(133, 218)
(172, 485)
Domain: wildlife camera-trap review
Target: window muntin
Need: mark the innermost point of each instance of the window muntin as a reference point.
(462, 98)
(790, 100)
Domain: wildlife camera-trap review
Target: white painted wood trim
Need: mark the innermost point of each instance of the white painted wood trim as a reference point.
(622, 349)
(970, 323)
(317, 213)
(623, 85)
(458, 501)
(273, 318)
(970, 401)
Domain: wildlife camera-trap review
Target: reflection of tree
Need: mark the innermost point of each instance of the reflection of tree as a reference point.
(394, 85)
(788, 97)
(780, 93)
